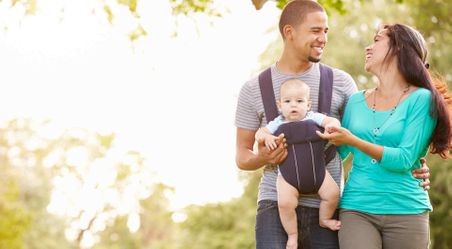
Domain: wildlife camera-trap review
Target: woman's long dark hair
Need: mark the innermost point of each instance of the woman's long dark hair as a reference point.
(408, 46)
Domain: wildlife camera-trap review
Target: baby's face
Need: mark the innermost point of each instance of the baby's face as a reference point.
(294, 103)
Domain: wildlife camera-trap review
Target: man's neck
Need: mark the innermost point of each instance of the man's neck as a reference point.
(289, 64)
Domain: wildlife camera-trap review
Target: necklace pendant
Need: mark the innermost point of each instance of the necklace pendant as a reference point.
(376, 131)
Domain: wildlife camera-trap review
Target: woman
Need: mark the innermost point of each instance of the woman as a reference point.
(388, 129)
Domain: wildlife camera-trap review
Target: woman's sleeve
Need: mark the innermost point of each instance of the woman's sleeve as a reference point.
(415, 138)
(344, 150)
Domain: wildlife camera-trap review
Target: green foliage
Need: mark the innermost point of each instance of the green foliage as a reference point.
(337, 5)
(30, 6)
(432, 18)
(281, 3)
(329, 5)
(222, 225)
(179, 7)
(186, 7)
(132, 4)
(441, 198)
(137, 33)
(156, 229)
(109, 13)
(35, 197)
(118, 236)
(14, 218)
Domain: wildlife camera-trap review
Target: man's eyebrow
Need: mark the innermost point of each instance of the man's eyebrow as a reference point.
(318, 27)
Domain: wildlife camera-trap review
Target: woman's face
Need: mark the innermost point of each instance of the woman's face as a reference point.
(376, 52)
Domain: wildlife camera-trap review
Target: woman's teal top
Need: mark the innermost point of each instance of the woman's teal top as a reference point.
(387, 186)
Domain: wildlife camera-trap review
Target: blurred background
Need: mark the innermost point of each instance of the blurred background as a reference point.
(117, 119)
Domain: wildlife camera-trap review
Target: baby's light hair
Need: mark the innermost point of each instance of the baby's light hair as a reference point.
(295, 82)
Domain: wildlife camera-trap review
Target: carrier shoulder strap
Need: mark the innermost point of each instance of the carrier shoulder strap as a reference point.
(325, 96)
(268, 95)
(325, 89)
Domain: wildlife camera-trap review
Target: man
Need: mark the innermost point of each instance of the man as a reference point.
(304, 26)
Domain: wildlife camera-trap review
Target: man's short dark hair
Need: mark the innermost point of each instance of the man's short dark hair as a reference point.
(296, 11)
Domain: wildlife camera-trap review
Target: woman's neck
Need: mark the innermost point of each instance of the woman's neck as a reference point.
(391, 83)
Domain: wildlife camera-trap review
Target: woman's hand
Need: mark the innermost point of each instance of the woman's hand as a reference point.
(337, 135)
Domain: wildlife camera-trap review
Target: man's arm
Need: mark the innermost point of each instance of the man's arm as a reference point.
(247, 159)
(423, 173)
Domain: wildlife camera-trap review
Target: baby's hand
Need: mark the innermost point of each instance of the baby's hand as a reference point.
(270, 142)
(330, 128)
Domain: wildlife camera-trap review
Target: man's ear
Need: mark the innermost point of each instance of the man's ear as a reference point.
(288, 32)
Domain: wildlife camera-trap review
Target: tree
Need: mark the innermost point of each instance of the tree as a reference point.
(441, 196)
(222, 225)
(111, 9)
(156, 229)
(14, 218)
(29, 185)
(328, 4)
(70, 184)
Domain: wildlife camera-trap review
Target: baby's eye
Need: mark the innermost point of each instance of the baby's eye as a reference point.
(300, 101)
(286, 101)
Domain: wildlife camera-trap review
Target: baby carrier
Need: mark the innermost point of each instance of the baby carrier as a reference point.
(304, 167)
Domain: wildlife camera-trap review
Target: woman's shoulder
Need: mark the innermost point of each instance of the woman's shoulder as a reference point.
(421, 94)
(357, 97)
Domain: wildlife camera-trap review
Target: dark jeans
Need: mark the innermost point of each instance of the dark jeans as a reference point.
(270, 233)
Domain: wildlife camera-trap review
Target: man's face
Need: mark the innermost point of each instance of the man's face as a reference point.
(310, 37)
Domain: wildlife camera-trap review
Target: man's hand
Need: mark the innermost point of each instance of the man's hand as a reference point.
(275, 156)
(423, 173)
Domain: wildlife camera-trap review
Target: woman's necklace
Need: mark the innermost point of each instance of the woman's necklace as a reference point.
(376, 129)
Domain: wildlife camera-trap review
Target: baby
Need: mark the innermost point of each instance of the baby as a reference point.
(294, 105)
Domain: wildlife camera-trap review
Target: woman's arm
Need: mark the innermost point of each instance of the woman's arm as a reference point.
(341, 136)
(415, 138)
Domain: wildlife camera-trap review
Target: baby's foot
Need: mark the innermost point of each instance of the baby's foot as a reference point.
(331, 224)
(292, 242)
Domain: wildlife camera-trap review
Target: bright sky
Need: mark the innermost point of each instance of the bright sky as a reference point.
(171, 98)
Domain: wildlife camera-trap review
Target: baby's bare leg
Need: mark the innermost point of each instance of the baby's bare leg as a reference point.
(329, 195)
(287, 203)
